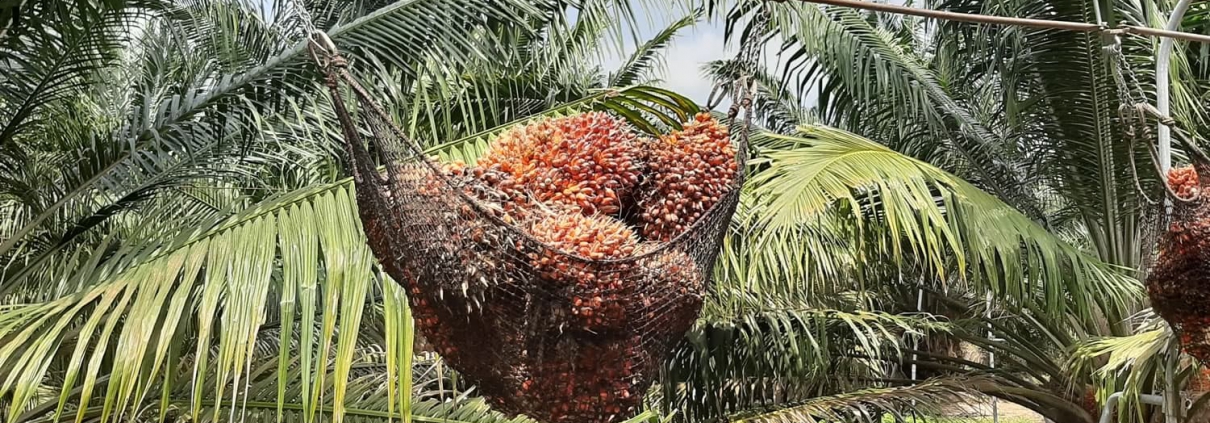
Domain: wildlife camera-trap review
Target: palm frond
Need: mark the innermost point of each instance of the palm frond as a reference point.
(140, 309)
(210, 107)
(912, 209)
(136, 303)
(762, 359)
(865, 72)
(868, 405)
(1130, 363)
(262, 400)
(646, 57)
(55, 54)
(650, 109)
(776, 106)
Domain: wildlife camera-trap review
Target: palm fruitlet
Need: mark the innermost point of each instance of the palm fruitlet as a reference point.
(596, 290)
(1183, 181)
(588, 161)
(689, 171)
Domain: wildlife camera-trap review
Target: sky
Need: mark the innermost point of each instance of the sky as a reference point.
(694, 47)
(684, 57)
(687, 53)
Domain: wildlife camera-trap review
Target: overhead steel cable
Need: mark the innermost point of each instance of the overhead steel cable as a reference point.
(1012, 21)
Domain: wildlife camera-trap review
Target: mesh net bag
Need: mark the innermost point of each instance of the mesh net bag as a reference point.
(550, 310)
(1179, 282)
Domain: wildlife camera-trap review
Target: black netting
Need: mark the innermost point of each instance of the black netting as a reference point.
(1179, 281)
(539, 331)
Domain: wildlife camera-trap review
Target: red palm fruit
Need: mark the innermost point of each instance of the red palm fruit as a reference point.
(592, 237)
(492, 191)
(689, 172)
(1183, 181)
(588, 161)
(596, 291)
(673, 285)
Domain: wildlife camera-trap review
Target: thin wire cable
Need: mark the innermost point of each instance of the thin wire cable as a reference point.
(1011, 21)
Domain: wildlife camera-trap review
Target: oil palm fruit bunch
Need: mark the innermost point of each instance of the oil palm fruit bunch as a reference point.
(588, 382)
(672, 278)
(589, 161)
(577, 309)
(475, 183)
(1179, 282)
(689, 171)
(596, 291)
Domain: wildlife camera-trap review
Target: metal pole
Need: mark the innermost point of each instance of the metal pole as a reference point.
(919, 308)
(1162, 86)
(1112, 403)
(1172, 405)
(1162, 103)
(991, 357)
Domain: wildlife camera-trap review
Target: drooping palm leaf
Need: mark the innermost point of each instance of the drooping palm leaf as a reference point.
(772, 359)
(645, 57)
(57, 52)
(865, 72)
(868, 405)
(912, 209)
(267, 398)
(137, 303)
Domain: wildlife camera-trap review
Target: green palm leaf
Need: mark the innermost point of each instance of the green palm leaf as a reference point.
(912, 209)
(734, 364)
(869, 76)
(646, 56)
(867, 405)
(224, 273)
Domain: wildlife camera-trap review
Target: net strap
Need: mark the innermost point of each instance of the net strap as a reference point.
(1136, 118)
(335, 68)
(1135, 114)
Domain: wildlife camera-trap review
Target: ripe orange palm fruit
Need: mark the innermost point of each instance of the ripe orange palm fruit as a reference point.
(587, 160)
(688, 173)
(1183, 181)
(596, 291)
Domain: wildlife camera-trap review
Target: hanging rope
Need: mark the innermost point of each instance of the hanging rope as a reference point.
(1175, 275)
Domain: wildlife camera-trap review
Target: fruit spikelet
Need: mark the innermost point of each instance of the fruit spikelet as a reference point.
(592, 237)
(689, 172)
(596, 291)
(1183, 181)
(586, 160)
